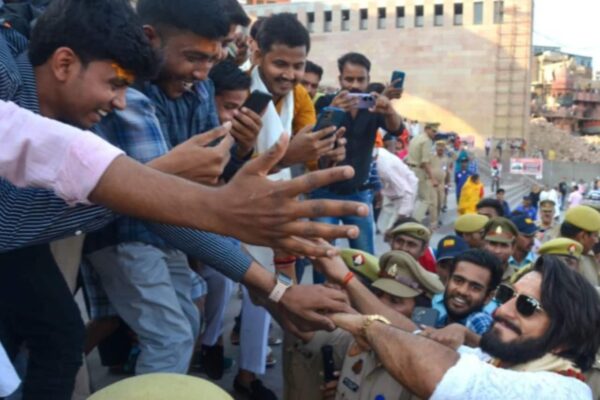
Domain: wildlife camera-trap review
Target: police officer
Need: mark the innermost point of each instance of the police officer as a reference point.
(500, 239)
(440, 164)
(546, 223)
(403, 285)
(523, 254)
(303, 361)
(470, 227)
(567, 250)
(582, 224)
(419, 160)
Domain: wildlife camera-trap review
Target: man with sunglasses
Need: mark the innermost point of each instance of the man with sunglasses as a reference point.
(543, 338)
(500, 239)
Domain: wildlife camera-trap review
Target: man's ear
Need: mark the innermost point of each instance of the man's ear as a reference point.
(64, 63)
(152, 36)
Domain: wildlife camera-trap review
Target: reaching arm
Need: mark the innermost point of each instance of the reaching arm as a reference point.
(419, 364)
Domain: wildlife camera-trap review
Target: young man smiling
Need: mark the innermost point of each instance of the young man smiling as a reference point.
(474, 276)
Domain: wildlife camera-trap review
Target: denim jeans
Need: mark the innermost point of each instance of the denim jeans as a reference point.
(37, 309)
(366, 239)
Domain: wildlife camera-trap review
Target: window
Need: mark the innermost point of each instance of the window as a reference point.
(310, 21)
(345, 20)
(381, 14)
(364, 19)
(327, 21)
(438, 19)
(458, 14)
(498, 12)
(399, 17)
(478, 13)
(418, 16)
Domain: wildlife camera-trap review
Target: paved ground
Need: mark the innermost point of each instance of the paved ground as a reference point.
(515, 188)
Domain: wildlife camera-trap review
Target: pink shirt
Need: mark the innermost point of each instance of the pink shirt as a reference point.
(37, 151)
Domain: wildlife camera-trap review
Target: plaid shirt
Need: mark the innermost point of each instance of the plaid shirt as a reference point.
(479, 322)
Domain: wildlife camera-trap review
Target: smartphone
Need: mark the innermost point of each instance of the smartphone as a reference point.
(258, 101)
(425, 316)
(399, 77)
(365, 100)
(328, 364)
(330, 116)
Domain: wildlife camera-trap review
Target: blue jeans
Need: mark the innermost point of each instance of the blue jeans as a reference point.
(366, 239)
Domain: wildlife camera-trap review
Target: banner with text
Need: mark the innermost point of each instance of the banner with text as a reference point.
(527, 166)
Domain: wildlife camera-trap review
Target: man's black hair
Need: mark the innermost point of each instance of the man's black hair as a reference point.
(313, 68)
(354, 58)
(573, 306)
(235, 13)
(569, 230)
(376, 87)
(483, 259)
(95, 30)
(205, 18)
(227, 76)
(256, 27)
(282, 28)
(500, 191)
(492, 203)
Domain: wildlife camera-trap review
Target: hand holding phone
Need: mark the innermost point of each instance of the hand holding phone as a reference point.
(398, 79)
(258, 101)
(364, 101)
(425, 316)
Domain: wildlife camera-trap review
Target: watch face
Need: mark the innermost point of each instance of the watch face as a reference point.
(286, 280)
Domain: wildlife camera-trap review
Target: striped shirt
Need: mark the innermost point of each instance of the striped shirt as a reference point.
(33, 216)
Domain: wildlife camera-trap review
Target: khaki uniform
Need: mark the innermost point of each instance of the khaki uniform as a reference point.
(545, 234)
(419, 152)
(439, 170)
(588, 266)
(303, 363)
(363, 378)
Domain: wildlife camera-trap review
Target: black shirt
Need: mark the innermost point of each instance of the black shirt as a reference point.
(360, 134)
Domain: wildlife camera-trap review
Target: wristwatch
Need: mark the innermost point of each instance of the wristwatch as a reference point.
(283, 283)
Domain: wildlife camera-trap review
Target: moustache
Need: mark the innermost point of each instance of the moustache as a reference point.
(354, 91)
(508, 324)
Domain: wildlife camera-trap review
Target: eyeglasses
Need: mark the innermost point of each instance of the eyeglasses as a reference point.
(526, 305)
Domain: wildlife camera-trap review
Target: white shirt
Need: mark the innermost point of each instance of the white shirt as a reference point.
(9, 381)
(472, 378)
(399, 182)
(38, 151)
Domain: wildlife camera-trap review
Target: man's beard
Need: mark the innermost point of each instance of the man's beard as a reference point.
(516, 352)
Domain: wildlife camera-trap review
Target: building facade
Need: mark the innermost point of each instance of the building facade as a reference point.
(467, 63)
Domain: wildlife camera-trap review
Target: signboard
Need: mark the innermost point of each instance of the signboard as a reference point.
(527, 166)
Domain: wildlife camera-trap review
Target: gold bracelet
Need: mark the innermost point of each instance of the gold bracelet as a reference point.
(372, 318)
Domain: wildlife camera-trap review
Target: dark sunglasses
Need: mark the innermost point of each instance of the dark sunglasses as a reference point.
(526, 305)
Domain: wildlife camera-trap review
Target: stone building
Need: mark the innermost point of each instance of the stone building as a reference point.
(467, 62)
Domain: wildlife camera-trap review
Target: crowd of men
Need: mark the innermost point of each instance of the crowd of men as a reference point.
(504, 307)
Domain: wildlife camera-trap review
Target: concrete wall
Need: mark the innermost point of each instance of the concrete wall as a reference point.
(473, 79)
(555, 171)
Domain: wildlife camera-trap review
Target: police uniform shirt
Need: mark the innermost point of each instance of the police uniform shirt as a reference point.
(439, 167)
(363, 378)
(419, 151)
(588, 267)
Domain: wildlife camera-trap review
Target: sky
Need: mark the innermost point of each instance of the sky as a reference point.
(574, 25)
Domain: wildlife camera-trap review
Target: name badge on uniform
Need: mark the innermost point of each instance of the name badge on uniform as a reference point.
(350, 384)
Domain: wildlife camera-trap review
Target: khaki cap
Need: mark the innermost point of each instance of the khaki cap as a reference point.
(501, 230)
(160, 386)
(441, 143)
(362, 263)
(584, 217)
(432, 125)
(413, 229)
(562, 246)
(470, 223)
(402, 276)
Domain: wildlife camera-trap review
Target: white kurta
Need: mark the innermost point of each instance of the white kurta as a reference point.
(472, 378)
